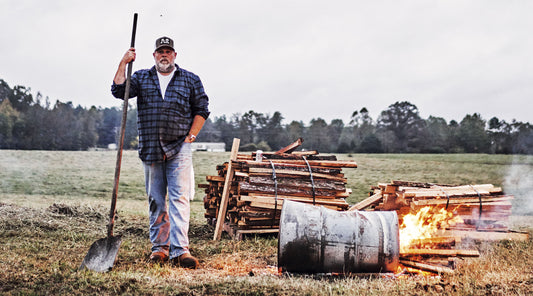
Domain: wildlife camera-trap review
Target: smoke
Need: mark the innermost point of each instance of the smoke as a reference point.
(519, 183)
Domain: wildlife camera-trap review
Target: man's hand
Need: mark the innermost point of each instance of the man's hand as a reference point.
(129, 56)
(120, 76)
(190, 138)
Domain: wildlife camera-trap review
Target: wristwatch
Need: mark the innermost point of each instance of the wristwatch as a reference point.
(192, 137)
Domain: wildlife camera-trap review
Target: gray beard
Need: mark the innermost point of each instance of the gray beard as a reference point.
(164, 68)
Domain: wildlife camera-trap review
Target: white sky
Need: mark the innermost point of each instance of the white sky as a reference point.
(306, 59)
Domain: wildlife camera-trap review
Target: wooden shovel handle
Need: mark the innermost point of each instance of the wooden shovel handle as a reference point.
(112, 212)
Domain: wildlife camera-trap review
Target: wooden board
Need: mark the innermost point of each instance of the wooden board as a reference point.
(225, 194)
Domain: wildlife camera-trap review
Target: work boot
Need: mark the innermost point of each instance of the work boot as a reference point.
(185, 260)
(158, 257)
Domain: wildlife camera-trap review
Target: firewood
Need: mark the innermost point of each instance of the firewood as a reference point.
(367, 202)
(246, 187)
(439, 252)
(486, 235)
(427, 267)
(291, 147)
(436, 242)
(295, 174)
(271, 199)
(417, 184)
(253, 192)
(459, 200)
(298, 183)
(293, 167)
(321, 163)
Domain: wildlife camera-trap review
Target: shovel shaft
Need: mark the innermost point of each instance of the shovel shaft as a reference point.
(112, 211)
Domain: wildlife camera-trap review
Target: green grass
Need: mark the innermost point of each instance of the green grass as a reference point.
(54, 205)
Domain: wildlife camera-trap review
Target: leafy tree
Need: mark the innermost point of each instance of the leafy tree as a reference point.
(295, 130)
(522, 138)
(8, 117)
(371, 144)
(317, 136)
(227, 130)
(438, 135)
(21, 98)
(403, 122)
(500, 134)
(108, 126)
(89, 124)
(362, 127)
(273, 133)
(334, 132)
(247, 125)
(472, 135)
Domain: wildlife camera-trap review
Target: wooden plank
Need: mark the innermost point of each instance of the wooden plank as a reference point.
(416, 184)
(225, 193)
(245, 187)
(436, 241)
(367, 202)
(486, 235)
(458, 200)
(290, 147)
(323, 163)
(427, 267)
(298, 183)
(268, 171)
(271, 198)
(439, 252)
(214, 178)
(294, 167)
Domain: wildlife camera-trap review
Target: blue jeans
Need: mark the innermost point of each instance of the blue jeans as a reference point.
(169, 227)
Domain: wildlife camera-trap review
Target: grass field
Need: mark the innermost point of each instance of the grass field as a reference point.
(54, 205)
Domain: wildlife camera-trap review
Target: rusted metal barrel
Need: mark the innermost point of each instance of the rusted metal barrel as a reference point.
(315, 239)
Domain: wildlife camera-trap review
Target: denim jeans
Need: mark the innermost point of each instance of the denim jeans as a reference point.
(169, 226)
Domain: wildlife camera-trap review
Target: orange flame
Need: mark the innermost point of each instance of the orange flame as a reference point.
(425, 224)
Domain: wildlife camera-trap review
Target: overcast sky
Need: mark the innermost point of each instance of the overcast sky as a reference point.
(305, 59)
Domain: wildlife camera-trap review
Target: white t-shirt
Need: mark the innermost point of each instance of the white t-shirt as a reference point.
(164, 81)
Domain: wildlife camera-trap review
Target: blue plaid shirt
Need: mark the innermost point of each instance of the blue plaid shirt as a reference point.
(164, 124)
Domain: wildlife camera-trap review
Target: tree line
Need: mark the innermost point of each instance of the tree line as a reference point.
(33, 123)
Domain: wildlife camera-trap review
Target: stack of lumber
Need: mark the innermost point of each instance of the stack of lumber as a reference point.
(481, 207)
(260, 184)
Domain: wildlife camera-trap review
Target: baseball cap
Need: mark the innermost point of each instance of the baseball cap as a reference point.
(164, 42)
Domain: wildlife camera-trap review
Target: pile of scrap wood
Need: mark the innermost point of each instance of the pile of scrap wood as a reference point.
(250, 189)
(436, 255)
(481, 207)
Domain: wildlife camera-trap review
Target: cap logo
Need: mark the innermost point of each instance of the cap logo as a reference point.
(164, 41)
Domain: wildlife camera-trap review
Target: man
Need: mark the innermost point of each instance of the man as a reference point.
(172, 108)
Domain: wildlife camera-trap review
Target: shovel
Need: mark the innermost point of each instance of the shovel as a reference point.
(103, 253)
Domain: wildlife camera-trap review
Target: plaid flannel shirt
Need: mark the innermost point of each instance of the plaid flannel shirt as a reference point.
(164, 124)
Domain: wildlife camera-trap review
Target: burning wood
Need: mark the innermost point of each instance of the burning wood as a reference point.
(435, 217)
(261, 183)
(480, 207)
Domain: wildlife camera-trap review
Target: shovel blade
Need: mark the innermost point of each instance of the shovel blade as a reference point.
(102, 254)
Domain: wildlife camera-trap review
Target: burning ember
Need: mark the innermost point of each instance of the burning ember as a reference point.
(424, 225)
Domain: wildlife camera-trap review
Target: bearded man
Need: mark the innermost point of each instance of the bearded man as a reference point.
(172, 108)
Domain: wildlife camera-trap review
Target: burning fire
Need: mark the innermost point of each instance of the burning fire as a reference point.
(424, 225)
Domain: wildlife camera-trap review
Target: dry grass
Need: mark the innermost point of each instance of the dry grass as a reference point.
(54, 206)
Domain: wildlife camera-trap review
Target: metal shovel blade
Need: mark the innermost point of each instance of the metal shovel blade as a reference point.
(102, 254)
